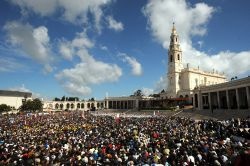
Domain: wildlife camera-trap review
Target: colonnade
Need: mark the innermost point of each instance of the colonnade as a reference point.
(121, 104)
(231, 98)
(72, 105)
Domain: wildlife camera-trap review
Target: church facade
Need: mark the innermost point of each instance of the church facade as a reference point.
(182, 80)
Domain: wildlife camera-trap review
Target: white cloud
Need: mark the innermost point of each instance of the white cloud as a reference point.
(147, 91)
(200, 43)
(89, 71)
(76, 89)
(86, 73)
(161, 84)
(68, 49)
(9, 65)
(34, 42)
(105, 48)
(22, 88)
(191, 21)
(113, 24)
(133, 63)
(73, 11)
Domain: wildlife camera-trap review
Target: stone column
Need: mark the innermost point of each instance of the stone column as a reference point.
(237, 98)
(107, 104)
(228, 103)
(122, 104)
(200, 106)
(194, 101)
(218, 99)
(248, 97)
(113, 104)
(136, 103)
(209, 100)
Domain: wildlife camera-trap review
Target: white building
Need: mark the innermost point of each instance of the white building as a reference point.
(182, 81)
(72, 105)
(14, 99)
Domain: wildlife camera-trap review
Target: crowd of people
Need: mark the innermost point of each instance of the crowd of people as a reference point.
(76, 138)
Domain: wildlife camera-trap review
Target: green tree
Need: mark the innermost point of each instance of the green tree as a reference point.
(37, 105)
(163, 91)
(138, 93)
(63, 98)
(4, 108)
(32, 105)
(73, 99)
(57, 99)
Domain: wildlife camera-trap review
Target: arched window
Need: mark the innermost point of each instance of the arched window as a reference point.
(178, 56)
(72, 106)
(88, 105)
(68, 105)
(78, 105)
(82, 105)
(196, 82)
(61, 106)
(57, 105)
(176, 39)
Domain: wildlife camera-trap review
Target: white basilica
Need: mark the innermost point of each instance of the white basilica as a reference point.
(182, 81)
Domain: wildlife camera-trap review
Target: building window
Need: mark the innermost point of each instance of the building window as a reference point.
(178, 56)
(171, 58)
(176, 39)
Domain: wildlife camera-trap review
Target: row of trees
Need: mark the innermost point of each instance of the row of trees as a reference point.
(139, 93)
(27, 106)
(4, 108)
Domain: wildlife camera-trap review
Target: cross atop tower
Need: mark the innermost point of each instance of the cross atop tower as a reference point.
(173, 29)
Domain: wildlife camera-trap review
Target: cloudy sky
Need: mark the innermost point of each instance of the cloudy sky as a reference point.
(94, 48)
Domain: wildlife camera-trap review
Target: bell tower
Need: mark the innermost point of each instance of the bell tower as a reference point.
(174, 64)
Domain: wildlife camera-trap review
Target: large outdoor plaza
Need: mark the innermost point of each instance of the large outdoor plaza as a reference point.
(124, 83)
(123, 138)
